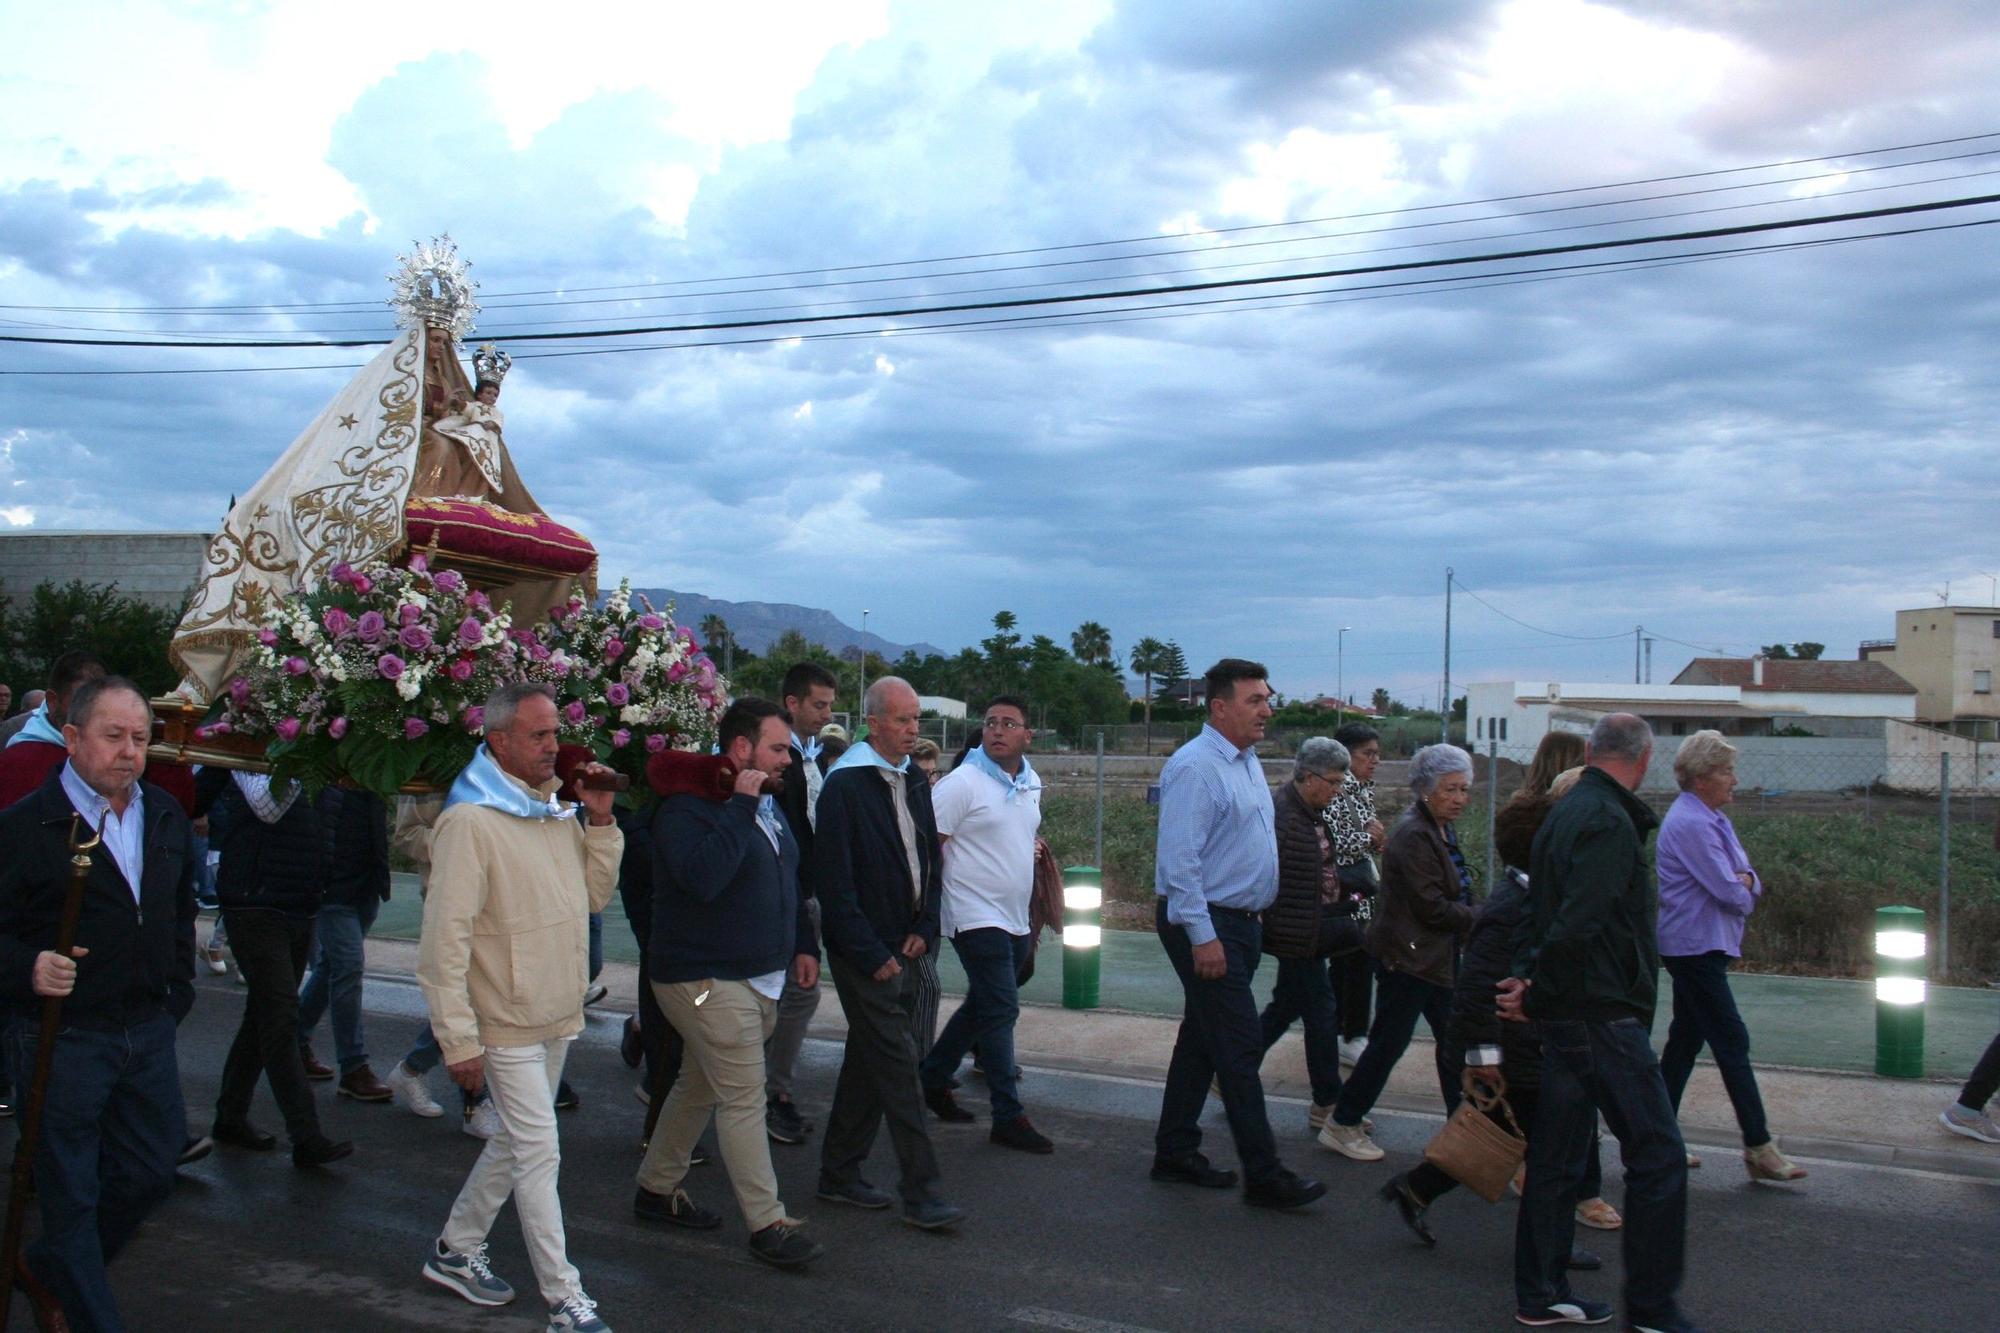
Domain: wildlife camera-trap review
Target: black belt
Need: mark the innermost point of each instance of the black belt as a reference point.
(114, 1017)
(1216, 909)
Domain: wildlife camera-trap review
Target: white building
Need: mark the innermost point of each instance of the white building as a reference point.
(1516, 714)
(1866, 688)
(943, 707)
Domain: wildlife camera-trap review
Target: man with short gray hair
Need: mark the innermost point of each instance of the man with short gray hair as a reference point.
(1586, 963)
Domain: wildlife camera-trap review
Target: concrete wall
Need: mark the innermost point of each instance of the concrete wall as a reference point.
(156, 567)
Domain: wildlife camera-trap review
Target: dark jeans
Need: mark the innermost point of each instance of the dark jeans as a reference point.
(1705, 1012)
(660, 1045)
(878, 1078)
(1399, 1001)
(271, 949)
(112, 1126)
(1985, 1080)
(1588, 1067)
(1304, 992)
(1429, 1183)
(1353, 977)
(1220, 1040)
(338, 958)
(992, 959)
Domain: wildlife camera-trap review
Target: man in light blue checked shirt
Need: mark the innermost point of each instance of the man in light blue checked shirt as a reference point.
(1216, 869)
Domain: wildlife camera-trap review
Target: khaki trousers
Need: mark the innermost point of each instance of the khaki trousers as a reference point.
(723, 1072)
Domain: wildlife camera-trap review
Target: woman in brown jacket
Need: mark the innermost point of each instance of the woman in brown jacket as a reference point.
(1420, 923)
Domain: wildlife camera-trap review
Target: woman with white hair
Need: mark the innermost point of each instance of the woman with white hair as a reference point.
(1420, 923)
(1707, 892)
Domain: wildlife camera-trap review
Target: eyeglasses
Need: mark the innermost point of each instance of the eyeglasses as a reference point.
(1003, 724)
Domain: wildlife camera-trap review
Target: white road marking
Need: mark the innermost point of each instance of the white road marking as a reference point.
(1075, 1323)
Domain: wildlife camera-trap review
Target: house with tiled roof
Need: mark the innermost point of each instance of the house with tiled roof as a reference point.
(1821, 688)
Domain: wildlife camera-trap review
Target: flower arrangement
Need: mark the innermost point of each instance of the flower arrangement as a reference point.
(375, 678)
(629, 682)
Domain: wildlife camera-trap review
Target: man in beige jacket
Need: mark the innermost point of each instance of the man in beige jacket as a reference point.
(504, 963)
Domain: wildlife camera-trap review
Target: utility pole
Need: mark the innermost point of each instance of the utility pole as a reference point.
(860, 700)
(1649, 659)
(1340, 680)
(1638, 632)
(1444, 699)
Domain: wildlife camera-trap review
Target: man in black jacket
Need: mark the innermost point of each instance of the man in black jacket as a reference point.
(357, 826)
(113, 1122)
(876, 871)
(807, 694)
(1585, 968)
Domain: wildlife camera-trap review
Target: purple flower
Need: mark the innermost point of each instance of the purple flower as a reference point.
(409, 613)
(656, 743)
(537, 649)
(651, 621)
(297, 666)
(390, 665)
(363, 584)
(705, 676)
(341, 572)
(614, 649)
(416, 638)
(268, 637)
(288, 730)
(461, 670)
(371, 627)
(618, 695)
(414, 727)
(677, 672)
(574, 712)
(478, 601)
(337, 622)
(448, 581)
(474, 718)
(209, 729)
(621, 738)
(239, 691)
(470, 632)
(337, 728)
(420, 564)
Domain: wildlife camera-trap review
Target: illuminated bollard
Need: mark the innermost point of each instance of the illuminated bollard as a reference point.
(1082, 935)
(1899, 992)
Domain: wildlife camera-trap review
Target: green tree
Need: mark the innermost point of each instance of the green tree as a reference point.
(1091, 643)
(1378, 703)
(1808, 651)
(1006, 661)
(1173, 667)
(1149, 659)
(130, 635)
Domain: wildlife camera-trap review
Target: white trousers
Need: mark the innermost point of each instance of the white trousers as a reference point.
(523, 1160)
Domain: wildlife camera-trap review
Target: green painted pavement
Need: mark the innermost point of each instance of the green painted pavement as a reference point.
(1805, 1022)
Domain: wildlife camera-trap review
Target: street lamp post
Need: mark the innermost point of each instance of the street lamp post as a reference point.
(1340, 683)
(861, 699)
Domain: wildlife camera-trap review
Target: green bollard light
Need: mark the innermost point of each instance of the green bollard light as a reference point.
(1082, 935)
(1899, 992)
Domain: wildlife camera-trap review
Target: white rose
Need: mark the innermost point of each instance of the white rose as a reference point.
(408, 686)
(631, 715)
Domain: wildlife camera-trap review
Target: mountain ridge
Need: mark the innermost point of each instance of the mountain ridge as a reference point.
(757, 625)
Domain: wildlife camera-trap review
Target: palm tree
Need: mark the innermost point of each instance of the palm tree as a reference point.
(1092, 644)
(1378, 702)
(718, 640)
(1149, 657)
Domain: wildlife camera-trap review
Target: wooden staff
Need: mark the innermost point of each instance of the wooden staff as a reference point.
(45, 1054)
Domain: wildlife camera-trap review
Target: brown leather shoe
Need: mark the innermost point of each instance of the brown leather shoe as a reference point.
(316, 1068)
(363, 1086)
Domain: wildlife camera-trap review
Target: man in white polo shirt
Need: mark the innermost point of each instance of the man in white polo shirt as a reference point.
(989, 809)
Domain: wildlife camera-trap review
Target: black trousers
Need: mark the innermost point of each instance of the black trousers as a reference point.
(1429, 1183)
(1221, 1038)
(1353, 976)
(660, 1043)
(271, 949)
(878, 1080)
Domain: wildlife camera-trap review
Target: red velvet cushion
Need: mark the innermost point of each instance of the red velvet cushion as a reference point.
(486, 532)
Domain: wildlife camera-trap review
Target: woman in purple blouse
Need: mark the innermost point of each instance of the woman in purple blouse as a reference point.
(1707, 892)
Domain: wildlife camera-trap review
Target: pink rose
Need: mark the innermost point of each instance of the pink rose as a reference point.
(461, 670)
(420, 564)
(474, 718)
(478, 601)
(341, 572)
(618, 695)
(414, 727)
(470, 632)
(448, 581)
(621, 738)
(537, 649)
(409, 613)
(677, 672)
(209, 729)
(390, 665)
(416, 638)
(363, 584)
(574, 712)
(371, 627)
(614, 649)
(337, 622)
(268, 637)
(656, 743)
(288, 730)
(651, 621)
(296, 666)
(337, 728)
(239, 691)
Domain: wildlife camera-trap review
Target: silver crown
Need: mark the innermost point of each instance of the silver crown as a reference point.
(431, 287)
(490, 363)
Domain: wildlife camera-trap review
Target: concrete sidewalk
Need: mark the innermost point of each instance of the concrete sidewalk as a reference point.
(1814, 1113)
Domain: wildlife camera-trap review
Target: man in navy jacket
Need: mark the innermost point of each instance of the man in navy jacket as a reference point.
(876, 870)
(114, 1116)
(729, 929)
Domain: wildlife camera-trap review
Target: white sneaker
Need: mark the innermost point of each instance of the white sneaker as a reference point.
(576, 1313)
(1350, 1050)
(484, 1122)
(1317, 1116)
(212, 955)
(595, 993)
(1350, 1141)
(410, 1091)
(1976, 1126)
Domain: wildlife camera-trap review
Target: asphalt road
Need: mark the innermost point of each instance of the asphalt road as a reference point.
(1081, 1240)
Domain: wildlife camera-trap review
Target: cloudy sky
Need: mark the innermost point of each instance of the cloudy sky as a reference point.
(1729, 449)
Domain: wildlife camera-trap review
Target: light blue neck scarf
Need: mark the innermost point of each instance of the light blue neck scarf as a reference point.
(861, 754)
(37, 728)
(485, 783)
(1024, 781)
(809, 748)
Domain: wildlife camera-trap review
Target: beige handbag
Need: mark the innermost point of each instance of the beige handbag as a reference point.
(1474, 1148)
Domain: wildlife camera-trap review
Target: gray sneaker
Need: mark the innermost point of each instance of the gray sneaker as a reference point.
(576, 1313)
(1977, 1125)
(468, 1274)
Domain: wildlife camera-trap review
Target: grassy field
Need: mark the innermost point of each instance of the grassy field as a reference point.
(1825, 874)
